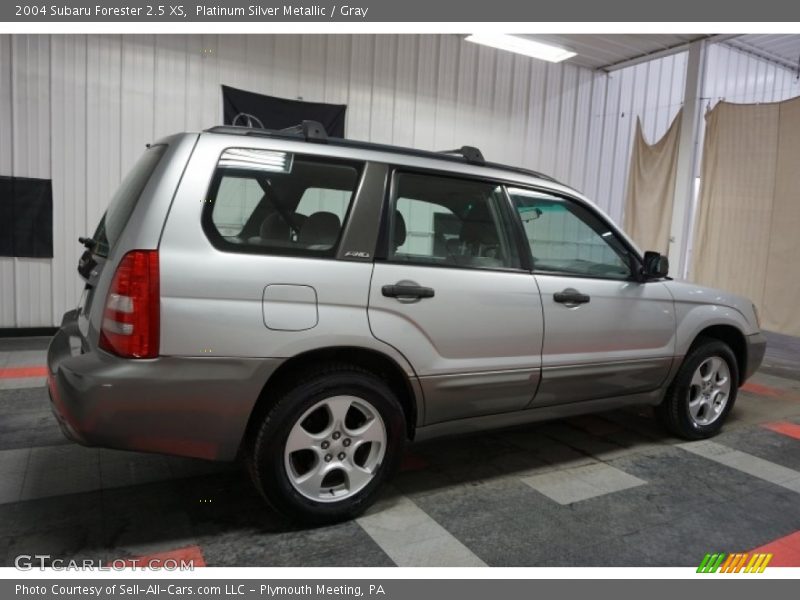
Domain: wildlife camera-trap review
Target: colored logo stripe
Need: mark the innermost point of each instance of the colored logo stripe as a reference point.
(711, 563)
(734, 563)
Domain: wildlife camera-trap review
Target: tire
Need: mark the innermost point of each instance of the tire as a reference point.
(690, 408)
(345, 471)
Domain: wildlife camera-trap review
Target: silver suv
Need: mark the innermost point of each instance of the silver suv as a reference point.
(310, 304)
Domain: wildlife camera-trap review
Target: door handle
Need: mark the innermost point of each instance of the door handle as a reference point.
(407, 291)
(571, 297)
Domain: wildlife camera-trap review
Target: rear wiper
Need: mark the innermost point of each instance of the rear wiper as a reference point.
(88, 242)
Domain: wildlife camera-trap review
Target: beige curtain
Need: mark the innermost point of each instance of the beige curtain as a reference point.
(781, 301)
(747, 235)
(651, 186)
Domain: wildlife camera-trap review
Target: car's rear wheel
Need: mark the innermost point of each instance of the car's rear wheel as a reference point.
(703, 392)
(328, 443)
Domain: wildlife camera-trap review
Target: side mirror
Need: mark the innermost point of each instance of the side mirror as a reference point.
(655, 265)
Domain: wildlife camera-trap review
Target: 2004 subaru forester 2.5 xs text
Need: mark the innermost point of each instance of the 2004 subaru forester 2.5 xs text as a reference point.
(310, 304)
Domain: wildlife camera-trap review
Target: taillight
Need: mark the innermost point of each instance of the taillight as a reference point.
(131, 315)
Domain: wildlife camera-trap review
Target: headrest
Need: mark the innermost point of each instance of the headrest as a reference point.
(273, 227)
(320, 229)
(298, 220)
(399, 230)
(478, 226)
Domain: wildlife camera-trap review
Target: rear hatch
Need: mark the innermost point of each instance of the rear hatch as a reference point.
(109, 230)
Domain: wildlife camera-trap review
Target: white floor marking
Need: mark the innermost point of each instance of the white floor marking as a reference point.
(746, 463)
(413, 539)
(581, 483)
(18, 383)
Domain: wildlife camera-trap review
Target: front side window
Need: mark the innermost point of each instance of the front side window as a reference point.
(446, 221)
(565, 237)
(277, 203)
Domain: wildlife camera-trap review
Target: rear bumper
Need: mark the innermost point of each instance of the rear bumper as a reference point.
(185, 406)
(756, 348)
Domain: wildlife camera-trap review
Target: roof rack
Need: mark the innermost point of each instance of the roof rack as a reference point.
(312, 131)
(470, 153)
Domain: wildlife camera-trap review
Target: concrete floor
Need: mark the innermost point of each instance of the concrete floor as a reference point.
(608, 489)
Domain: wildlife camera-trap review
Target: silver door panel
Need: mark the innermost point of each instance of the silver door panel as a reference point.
(478, 321)
(624, 336)
(475, 345)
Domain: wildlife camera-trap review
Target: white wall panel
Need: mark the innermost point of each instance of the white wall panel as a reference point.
(7, 286)
(69, 154)
(169, 103)
(425, 98)
(736, 76)
(79, 109)
(30, 72)
(106, 131)
(383, 87)
(447, 94)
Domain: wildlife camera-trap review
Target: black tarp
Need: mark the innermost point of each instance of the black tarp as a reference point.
(26, 217)
(279, 113)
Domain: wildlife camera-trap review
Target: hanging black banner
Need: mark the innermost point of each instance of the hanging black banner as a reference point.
(26, 217)
(257, 110)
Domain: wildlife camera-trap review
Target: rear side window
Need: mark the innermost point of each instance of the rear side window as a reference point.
(447, 221)
(269, 202)
(124, 200)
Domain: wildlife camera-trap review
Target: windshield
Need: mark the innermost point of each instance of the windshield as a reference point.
(124, 200)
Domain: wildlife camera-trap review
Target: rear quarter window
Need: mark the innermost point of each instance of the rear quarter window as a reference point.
(271, 202)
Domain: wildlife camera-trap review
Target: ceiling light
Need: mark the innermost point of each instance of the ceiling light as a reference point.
(520, 45)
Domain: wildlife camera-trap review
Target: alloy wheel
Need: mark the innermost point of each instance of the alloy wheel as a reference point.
(709, 390)
(335, 448)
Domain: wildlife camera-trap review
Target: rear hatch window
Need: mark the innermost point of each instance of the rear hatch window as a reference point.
(109, 230)
(124, 200)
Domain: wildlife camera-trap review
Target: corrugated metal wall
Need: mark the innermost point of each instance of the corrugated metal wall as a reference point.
(654, 90)
(79, 109)
(736, 76)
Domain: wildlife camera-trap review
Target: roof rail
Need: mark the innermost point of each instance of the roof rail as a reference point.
(470, 153)
(310, 131)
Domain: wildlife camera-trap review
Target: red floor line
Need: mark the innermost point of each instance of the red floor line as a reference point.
(21, 372)
(785, 428)
(189, 555)
(785, 550)
(761, 390)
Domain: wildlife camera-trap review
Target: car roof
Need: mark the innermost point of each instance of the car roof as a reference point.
(464, 155)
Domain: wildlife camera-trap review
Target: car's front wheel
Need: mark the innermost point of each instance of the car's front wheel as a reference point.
(327, 444)
(703, 392)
